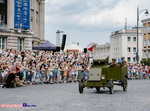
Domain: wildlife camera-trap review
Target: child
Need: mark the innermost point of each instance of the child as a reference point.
(4, 74)
(42, 73)
(51, 74)
(64, 74)
(69, 75)
(55, 74)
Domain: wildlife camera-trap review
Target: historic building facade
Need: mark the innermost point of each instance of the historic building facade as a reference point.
(101, 52)
(124, 43)
(21, 38)
(146, 38)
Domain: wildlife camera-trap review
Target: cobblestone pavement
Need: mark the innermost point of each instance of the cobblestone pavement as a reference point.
(66, 97)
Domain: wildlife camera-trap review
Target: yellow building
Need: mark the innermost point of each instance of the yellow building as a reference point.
(146, 38)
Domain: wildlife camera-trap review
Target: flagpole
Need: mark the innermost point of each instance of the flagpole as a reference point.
(92, 52)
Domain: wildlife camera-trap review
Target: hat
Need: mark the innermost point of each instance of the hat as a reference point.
(114, 59)
(122, 57)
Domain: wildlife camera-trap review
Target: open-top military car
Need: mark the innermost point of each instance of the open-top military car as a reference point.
(104, 76)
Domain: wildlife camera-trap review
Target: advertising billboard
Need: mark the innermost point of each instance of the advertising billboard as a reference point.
(22, 14)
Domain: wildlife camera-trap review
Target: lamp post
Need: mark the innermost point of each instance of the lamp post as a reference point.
(138, 13)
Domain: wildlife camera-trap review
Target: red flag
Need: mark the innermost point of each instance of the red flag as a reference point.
(90, 46)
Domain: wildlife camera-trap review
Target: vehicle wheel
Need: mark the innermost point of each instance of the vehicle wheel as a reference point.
(125, 84)
(98, 88)
(111, 86)
(80, 86)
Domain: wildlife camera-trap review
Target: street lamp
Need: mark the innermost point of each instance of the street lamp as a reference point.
(138, 13)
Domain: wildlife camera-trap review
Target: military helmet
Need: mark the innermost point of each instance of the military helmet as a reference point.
(122, 57)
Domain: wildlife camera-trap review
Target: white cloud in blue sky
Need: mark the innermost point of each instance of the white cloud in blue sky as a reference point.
(90, 20)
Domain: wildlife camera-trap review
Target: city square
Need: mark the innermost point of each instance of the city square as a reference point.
(66, 97)
(78, 55)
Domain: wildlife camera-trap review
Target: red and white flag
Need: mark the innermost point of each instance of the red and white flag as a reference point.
(90, 46)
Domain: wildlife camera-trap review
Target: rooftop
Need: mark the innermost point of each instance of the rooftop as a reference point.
(127, 31)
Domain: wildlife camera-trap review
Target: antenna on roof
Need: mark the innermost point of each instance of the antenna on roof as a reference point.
(125, 23)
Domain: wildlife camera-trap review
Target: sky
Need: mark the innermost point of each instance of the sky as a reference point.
(85, 21)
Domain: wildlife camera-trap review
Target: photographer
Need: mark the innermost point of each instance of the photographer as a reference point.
(11, 80)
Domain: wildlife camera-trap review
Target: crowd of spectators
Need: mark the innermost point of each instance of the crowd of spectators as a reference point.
(38, 67)
(139, 71)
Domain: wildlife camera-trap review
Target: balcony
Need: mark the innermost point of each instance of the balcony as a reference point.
(4, 28)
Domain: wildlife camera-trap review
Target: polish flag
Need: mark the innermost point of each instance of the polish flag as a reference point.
(90, 46)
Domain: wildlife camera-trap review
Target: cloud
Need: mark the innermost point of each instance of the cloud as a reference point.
(93, 15)
(85, 13)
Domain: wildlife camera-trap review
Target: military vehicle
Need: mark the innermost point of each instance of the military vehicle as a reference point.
(104, 76)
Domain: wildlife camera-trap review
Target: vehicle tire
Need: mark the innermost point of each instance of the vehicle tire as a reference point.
(125, 84)
(98, 88)
(111, 86)
(80, 86)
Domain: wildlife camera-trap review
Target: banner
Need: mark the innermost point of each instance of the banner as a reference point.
(22, 14)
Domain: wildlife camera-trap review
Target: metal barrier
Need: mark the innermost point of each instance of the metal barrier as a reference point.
(36, 76)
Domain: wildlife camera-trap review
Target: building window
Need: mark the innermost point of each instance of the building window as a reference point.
(2, 19)
(129, 39)
(20, 44)
(2, 42)
(134, 60)
(148, 42)
(129, 59)
(145, 43)
(145, 55)
(129, 49)
(148, 54)
(134, 39)
(144, 30)
(31, 4)
(2, 1)
(134, 50)
(148, 29)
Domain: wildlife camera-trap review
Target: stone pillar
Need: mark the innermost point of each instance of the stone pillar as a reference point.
(10, 13)
(34, 18)
(42, 20)
(12, 42)
(28, 43)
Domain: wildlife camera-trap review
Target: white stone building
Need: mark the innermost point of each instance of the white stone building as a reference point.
(101, 52)
(11, 37)
(124, 43)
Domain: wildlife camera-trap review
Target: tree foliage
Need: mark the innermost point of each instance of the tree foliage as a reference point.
(145, 62)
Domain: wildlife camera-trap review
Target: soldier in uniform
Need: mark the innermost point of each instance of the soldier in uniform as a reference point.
(124, 63)
(114, 63)
(20, 79)
(11, 80)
